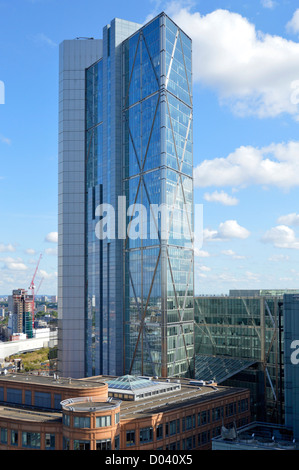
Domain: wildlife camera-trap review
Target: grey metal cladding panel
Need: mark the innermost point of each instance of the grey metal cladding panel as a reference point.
(76, 54)
(124, 29)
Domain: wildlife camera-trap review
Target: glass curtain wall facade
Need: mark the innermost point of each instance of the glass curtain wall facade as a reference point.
(291, 361)
(138, 313)
(249, 329)
(94, 336)
(157, 151)
(103, 322)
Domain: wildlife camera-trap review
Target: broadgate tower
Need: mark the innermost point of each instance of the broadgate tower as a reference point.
(126, 268)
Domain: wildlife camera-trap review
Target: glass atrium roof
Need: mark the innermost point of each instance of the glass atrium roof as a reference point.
(130, 382)
(219, 368)
(139, 387)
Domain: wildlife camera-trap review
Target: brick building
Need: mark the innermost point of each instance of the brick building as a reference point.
(103, 413)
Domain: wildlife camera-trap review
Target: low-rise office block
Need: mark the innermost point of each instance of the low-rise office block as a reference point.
(110, 413)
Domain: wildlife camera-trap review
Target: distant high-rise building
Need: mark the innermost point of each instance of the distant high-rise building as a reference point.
(10, 303)
(22, 312)
(125, 300)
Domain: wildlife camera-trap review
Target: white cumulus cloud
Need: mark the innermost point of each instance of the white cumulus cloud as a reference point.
(52, 237)
(47, 275)
(201, 253)
(251, 71)
(30, 251)
(232, 254)
(226, 231)
(293, 25)
(289, 219)
(278, 258)
(222, 198)
(9, 248)
(13, 264)
(268, 4)
(51, 251)
(204, 268)
(274, 165)
(282, 236)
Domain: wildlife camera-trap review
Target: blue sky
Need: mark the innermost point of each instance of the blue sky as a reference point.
(246, 145)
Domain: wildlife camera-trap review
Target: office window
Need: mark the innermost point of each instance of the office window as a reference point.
(66, 420)
(243, 405)
(116, 443)
(188, 423)
(231, 409)
(203, 418)
(81, 445)
(66, 444)
(116, 418)
(130, 438)
(3, 436)
(57, 400)
(31, 439)
(42, 399)
(81, 422)
(14, 396)
(50, 441)
(217, 413)
(14, 437)
(146, 435)
(103, 421)
(104, 444)
(28, 397)
(188, 443)
(160, 431)
(203, 438)
(172, 427)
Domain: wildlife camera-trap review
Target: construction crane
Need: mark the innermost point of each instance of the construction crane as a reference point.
(32, 288)
(37, 290)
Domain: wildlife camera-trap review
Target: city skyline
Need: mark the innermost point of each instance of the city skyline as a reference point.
(245, 147)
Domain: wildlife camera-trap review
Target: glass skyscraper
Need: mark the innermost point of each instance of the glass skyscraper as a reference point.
(239, 342)
(126, 293)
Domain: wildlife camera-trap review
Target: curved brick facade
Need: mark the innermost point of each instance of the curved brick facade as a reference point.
(42, 413)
